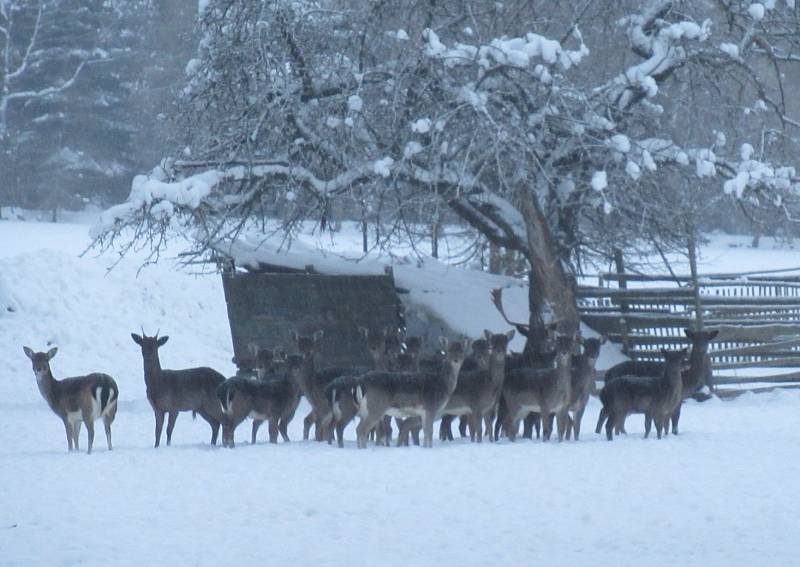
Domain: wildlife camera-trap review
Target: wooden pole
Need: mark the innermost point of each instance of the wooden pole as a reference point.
(698, 305)
(622, 283)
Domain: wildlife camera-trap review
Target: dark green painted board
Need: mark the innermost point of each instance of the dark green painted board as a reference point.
(263, 308)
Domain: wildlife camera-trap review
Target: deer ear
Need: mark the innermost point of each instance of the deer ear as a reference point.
(137, 339)
(279, 353)
(712, 335)
(364, 332)
(487, 334)
(603, 339)
(163, 340)
(28, 352)
(253, 348)
(689, 333)
(443, 342)
(663, 351)
(318, 336)
(293, 334)
(52, 352)
(510, 335)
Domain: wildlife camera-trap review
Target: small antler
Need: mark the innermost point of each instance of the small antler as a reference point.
(497, 300)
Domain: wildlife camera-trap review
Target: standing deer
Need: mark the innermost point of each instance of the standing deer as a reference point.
(693, 378)
(657, 398)
(273, 397)
(82, 399)
(544, 391)
(383, 347)
(478, 390)
(173, 391)
(313, 384)
(409, 394)
(583, 382)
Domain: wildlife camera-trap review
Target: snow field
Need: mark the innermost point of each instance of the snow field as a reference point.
(719, 493)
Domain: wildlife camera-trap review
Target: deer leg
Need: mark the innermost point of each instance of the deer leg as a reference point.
(363, 428)
(610, 419)
(576, 422)
(273, 430)
(563, 423)
(215, 430)
(676, 417)
(547, 425)
(173, 417)
(256, 424)
(527, 427)
(659, 425)
(415, 434)
(648, 422)
(601, 419)
(76, 434)
(427, 429)
(68, 429)
(87, 419)
(107, 427)
(284, 424)
(444, 428)
(463, 422)
(308, 421)
(159, 426)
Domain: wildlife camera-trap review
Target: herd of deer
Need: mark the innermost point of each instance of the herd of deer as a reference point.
(491, 390)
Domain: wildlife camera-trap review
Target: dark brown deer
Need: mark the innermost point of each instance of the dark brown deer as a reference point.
(82, 399)
(583, 382)
(695, 377)
(383, 347)
(273, 398)
(657, 398)
(474, 372)
(409, 394)
(313, 384)
(543, 391)
(173, 391)
(478, 391)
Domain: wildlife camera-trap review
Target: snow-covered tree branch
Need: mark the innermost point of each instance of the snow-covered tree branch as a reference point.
(543, 145)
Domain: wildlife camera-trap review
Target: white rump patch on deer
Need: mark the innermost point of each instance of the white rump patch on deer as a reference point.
(256, 415)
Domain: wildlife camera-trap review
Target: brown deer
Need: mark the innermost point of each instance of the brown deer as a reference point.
(173, 391)
(273, 397)
(695, 377)
(313, 385)
(82, 399)
(383, 347)
(473, 374)
(583, 382)
(657, 398)
(409, 394)
(479, 389)
(543, 391)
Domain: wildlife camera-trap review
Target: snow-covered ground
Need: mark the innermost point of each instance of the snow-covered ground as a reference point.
(720, 493)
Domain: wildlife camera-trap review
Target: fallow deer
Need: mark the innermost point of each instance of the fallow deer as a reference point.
(82, 399)
(543, 391)
(173, 391)
(273, 397)
(656, 398)
(409, 394)
(583, 382)
(695, 377)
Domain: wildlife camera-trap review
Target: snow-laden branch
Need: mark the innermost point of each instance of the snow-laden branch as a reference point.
(660, 44)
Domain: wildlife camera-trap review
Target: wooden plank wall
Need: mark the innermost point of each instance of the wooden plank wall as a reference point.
(758, 317)
(263, 308)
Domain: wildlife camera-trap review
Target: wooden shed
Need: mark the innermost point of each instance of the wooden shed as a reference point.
(266, 303)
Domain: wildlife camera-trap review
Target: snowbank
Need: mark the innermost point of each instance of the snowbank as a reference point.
(691, 498)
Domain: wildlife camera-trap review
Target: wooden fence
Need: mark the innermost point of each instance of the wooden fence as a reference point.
(757, 316)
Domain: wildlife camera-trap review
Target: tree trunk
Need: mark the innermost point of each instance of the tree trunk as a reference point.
(551, 290)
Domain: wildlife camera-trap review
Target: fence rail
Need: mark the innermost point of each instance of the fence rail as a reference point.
(757, 315)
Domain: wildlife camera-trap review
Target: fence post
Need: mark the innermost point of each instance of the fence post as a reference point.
(698, 305)
(624, 308)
